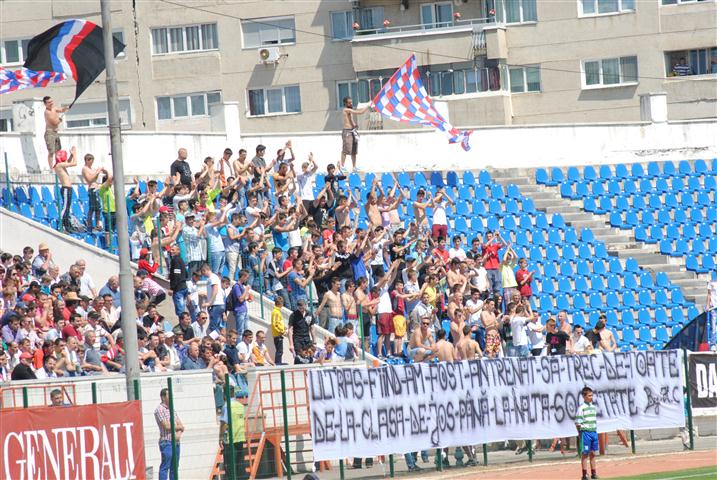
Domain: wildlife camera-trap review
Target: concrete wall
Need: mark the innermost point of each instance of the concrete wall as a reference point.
(17, 232)
(505, 147)
(193, 401)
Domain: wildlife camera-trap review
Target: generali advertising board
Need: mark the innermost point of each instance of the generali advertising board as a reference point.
(75, 442)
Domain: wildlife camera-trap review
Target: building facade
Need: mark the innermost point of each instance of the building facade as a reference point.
(288, 64)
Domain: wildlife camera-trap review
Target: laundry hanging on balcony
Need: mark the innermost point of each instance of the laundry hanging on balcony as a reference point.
(403, 98)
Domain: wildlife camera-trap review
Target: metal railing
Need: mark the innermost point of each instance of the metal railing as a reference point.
(455, 24)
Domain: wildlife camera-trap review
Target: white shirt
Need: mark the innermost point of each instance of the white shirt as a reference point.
(458, 253)
(86, 285)
(384, 301)
(306, 185)
(212, 281)
(582, 345)
(481, 280)
(536, 334)
(251, 213)
(439, 213)
(200, 331)
(517, 327)
(244, 350)
(474, 319)
(42, 373)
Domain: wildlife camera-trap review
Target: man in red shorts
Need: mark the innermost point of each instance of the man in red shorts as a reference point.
(384, 325)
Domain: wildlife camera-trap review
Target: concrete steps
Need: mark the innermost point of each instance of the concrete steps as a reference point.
(620, 243)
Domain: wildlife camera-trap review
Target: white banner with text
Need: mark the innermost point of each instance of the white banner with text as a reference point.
(360, 412)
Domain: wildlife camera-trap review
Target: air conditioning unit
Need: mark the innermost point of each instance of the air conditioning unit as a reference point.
(269, 54)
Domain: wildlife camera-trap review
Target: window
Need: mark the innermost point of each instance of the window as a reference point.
(13, 52)
(87, 122)
(610, 71)
(599, 7)
(191, 38)
(460, 81)
(371, 18)
(357, 90)
(674, 2)
(268, 31)
(518, 11)
(6, 125)
(342, 25)
(437, 15)
(183, 106)
(524, 79)
(119, 35)
(274, 101)
(699, 61)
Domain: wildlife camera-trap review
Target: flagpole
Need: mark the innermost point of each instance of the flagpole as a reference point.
(129, 313)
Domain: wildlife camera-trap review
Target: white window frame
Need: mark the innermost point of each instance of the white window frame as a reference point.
(681, 2)
(184, 39)
(89, 119)
(351, 83)
(435, 24)
(187, 97)
(21, 51)
(346, 14)
(620, 9)
(524, 71)
(266, 101)
(8, 121)
(583, 77)
(522, 20)
(262, 21)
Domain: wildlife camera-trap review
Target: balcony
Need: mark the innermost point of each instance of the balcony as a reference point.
(433, 43)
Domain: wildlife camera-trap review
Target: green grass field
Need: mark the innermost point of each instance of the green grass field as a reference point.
(703, 473)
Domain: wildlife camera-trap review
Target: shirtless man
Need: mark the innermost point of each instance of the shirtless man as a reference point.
(90, 175)
(348, 301)
(444, 348)
(420, 346)
(607, 341)
(332, 298)
(419, 209)
(60, 168)
(349, 134)
(372, 211)
(458, 323)
(52, 123)
(487, 316)
(467, 348)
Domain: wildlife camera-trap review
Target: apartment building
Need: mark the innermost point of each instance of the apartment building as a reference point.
(288, 64)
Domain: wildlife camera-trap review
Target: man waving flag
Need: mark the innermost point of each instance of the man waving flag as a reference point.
(404, 98)
(73, 48)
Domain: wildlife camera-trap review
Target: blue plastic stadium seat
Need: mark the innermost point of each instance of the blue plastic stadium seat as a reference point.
(661, 334)
(468, 178)
(700, 167)
(628, 299)
(562, 302)
(545, 304)
(605, 172)
(631, 265)
(645, 335)
(578, 320)
(556, 176)
(661, 298)
(437, 179)
(573, 174)
(653, 169)
(661, 316)
(582, 190)
(644, 297)
(644, 317)
(628, 335)
(564, 285)
(628, 319)
(668, 169)
(692, 312)
(708, 263)
(418, 179)
(621, 171)
(599, 266)
(452, 179)
(579, 304)
(484, 178)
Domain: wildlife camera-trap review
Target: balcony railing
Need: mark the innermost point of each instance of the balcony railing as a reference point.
(456, 24)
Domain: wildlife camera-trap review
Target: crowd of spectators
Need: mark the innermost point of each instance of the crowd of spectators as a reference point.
(331, 256)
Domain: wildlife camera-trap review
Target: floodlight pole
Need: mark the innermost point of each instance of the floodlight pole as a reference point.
(129, 313)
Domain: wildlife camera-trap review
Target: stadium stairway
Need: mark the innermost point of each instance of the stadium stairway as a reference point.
(619, 243)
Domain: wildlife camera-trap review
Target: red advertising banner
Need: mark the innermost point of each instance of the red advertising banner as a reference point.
(102, 441)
